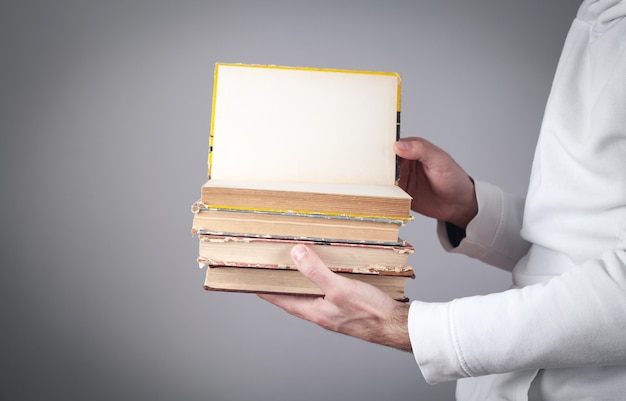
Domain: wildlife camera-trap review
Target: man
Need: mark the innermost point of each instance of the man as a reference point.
(559, 332)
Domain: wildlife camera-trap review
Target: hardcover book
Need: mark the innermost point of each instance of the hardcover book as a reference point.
(273, 253)
(291, 225)
(236, 279)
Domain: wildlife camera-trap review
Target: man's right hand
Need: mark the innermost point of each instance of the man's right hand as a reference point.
(440, 188)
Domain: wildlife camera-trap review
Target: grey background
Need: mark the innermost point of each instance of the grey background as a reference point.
(105, 113)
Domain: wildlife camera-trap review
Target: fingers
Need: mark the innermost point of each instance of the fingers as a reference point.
(410, 148)
(350, 307)
(418, 149)
(299, 306)
(311, 266)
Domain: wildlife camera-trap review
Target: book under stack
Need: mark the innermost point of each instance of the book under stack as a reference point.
(300, 155)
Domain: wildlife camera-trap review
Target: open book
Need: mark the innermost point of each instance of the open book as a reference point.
(305, 140)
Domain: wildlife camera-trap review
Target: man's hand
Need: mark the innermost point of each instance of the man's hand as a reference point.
(439, 186)
(349, 306)
(440, 189)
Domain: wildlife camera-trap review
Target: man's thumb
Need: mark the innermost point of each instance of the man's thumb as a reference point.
(312, 267)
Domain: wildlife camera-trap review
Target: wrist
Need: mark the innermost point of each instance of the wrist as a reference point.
(398, 328)
(468, 208)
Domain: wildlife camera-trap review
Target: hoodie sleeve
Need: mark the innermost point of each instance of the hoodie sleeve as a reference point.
(493, 236)
(546, 325)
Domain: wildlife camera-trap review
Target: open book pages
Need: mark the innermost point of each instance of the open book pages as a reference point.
(292, 124)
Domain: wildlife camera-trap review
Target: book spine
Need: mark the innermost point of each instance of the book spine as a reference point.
(398, 108)
(212, 129)
(397, 139)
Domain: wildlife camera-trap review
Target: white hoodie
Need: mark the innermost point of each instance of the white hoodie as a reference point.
(560, 332)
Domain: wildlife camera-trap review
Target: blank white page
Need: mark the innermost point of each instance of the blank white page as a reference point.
(303, 125)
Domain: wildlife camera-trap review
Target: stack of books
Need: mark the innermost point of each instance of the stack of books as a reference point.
(302, 155)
